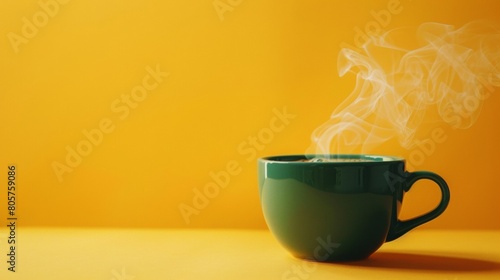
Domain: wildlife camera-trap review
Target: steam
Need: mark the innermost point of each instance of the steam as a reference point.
(444, 80)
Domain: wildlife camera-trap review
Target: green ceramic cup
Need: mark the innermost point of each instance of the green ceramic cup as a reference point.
(340, 209)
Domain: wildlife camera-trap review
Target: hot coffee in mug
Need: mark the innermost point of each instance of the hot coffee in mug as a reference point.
(339, 207)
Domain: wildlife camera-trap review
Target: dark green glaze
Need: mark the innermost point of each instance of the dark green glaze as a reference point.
(338, 211)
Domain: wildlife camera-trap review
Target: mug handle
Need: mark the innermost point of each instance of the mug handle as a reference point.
(402, 227)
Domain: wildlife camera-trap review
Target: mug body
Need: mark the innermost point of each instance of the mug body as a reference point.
(330, 210)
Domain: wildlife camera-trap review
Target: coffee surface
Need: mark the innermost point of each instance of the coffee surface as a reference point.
(341, 160)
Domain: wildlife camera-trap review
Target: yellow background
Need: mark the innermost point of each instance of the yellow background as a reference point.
(227, 73)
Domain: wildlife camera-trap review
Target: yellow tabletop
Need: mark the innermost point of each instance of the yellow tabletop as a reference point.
(139, 254)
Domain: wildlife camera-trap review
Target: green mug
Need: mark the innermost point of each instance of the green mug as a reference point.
(339, 207)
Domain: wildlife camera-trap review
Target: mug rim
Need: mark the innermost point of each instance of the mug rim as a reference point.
(295, 159)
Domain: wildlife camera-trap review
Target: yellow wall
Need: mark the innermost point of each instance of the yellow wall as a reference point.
(222, 76)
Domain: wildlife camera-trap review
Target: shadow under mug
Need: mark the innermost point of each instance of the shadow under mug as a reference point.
(341, 208)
